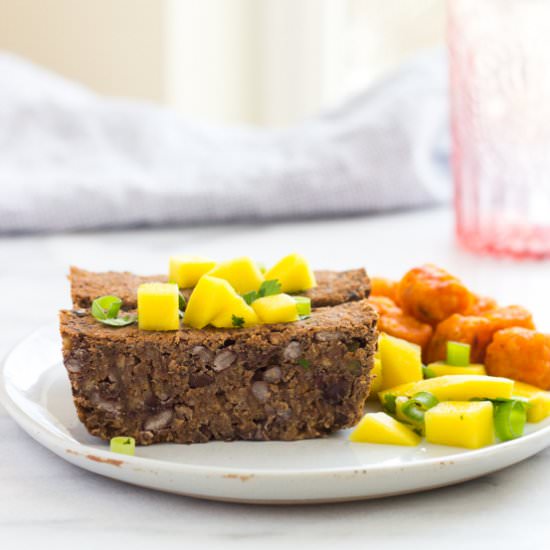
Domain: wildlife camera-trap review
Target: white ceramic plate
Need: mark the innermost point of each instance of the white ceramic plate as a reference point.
(35, 390)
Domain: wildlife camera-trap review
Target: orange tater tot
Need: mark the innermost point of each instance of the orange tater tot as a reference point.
(476, 331)
(395, 322)
(431, 294)
(508, 317)
(521, 354)
(481, 305)
(379, 286)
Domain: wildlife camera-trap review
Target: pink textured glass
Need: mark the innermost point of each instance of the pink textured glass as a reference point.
(500, 111)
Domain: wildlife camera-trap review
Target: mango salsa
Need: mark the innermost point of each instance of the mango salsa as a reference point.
(279, 308)
(460, 424)
(209, 298)
(158, 306)
(382, 428)
(440, 368)
(538, 401)
(456, 387)
(293, 272)
(401, 361)
(237, 314)
(186, 271)
(243, 274)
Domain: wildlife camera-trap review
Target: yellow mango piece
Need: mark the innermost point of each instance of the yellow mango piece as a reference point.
(376, 384)
(279, 308)
(293, 272)
(440, 368)
(158, 306)
(209, 298)
(382, 428)
(460, 424)
(243, 274)
(538, 401)
(456, 387)
(237, 310)
(401, 361)
(186, 271)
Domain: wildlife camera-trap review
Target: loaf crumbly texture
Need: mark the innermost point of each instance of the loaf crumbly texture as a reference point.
(333, 287)
(268, 382)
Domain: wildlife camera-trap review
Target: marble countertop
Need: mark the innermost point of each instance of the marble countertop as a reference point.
(48, 503)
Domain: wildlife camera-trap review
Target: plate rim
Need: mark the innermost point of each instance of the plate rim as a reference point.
(42, 434)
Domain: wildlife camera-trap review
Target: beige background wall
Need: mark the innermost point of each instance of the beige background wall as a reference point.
(269, 62)
(114, 46)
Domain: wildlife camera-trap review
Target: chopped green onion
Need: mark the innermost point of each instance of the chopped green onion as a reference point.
(304, 363)
(123, 445)
(426, 399)
(122, 321)
(510, 418)
(427, 372)
(415, 408)
(413, 411)
(390, 404)
(458, 354)
(106, 310)
(106, 307)
(303, 305)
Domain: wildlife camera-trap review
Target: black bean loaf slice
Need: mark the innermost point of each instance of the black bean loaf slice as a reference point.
(268, 382)
(333, 287)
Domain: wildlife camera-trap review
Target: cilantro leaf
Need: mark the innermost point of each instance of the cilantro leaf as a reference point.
(269, 288)
(249, 297)
(237, 321)
(182, 304)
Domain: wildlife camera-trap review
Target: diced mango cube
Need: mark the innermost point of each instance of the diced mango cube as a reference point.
(376, 374)
(440, 368)
(456, 387)
(382, 428)
(538, 401)
(401, 361)
(209, 298)
(460, 424)
(237, 314)
(186, 271)
(158, 306)
(243, 274)
(279, 308)
(293, 272)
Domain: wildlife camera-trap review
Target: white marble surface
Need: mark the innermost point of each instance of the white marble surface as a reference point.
(47, 503)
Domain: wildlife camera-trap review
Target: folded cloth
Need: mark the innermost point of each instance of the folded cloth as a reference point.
(71, 159)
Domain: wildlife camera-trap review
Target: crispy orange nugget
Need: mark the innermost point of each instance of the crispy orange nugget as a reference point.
(468, 329)
(379, 286)
(430, 294)
(520, 354)
(395, 322)
(481, 305)
(476, 330)
(508, 317)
